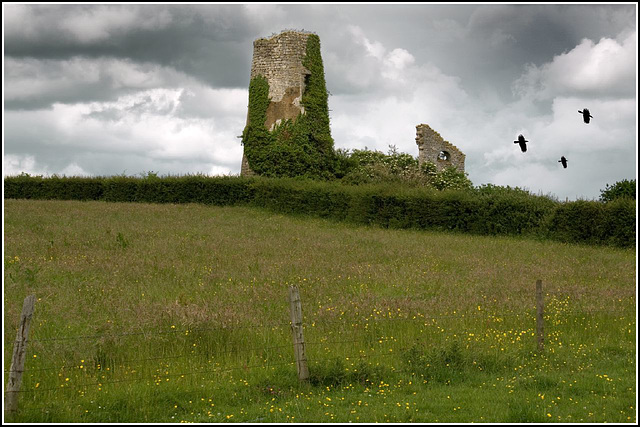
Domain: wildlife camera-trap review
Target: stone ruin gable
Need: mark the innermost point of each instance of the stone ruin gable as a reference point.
(279, 60)
(432, 148)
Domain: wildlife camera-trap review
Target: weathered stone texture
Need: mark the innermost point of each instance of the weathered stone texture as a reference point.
(432, 148)
(279, 60)
(245, 170)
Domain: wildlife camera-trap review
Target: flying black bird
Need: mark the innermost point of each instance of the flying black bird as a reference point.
(586, 115)
(563, 160)
(522, 142)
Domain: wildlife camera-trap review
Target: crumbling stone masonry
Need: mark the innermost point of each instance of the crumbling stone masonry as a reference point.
(432, 148)
(279, 60)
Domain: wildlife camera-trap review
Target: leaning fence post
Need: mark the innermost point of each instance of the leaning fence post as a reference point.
(539, 315)
(18, 357)
(296, 330)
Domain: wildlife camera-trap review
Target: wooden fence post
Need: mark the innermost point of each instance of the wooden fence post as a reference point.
(539, 315)
(296, 330)
(18, 358)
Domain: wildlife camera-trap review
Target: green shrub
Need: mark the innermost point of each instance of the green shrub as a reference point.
(620, 222)
(592, 222)
(374, 167)
(621, 189)
(25, 186)
(507, 210)
(586, 221)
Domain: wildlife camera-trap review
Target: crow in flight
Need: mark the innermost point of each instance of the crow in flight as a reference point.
(563, 160)
(586, 115)
(522, 142)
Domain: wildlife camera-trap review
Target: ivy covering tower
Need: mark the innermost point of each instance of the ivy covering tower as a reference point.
(287, 131)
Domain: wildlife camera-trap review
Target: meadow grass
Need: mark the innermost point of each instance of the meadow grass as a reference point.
(174, 313)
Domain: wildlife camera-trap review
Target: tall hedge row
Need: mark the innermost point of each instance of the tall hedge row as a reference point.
(486, 211)
(591, 222)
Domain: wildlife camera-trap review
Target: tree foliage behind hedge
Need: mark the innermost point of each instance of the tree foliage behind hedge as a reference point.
(357, 167)
(486, 210)
(621, 189)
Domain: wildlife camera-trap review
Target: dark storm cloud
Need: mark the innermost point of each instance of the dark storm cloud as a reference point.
(504, 37)
(485, 45)
(208, 42)
(39, 83)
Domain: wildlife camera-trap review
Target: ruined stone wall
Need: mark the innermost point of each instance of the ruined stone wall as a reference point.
(432, 148)
(279, 60)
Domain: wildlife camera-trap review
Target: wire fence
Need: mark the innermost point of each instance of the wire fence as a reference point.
(366, 333)
(426, 320)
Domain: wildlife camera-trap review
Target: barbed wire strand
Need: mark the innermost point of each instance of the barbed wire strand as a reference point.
(471, 314)
(247, 349)
(100, 384)
(151, 333)
(426, 322)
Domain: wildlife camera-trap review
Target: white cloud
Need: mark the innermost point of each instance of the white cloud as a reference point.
(395, 63)
(400, 95)
(142, 104)
(172, 121)
(599, 152)
(612, 128)
(74, 170)
(202, 101)
(374, 49)
(590, 69)
(15, 164)
(143, 124)
(221, 170)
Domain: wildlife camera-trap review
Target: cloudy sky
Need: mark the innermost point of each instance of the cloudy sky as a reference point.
(96, 90)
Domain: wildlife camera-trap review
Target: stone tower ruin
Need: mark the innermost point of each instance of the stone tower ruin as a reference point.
(279, 60)
(432, 148)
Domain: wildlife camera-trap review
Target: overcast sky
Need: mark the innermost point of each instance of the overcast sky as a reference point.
(95, 90)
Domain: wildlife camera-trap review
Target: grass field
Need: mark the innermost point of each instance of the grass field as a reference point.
(180, 313)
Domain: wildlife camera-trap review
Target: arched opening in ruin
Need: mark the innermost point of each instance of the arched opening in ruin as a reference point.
(444, 155)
